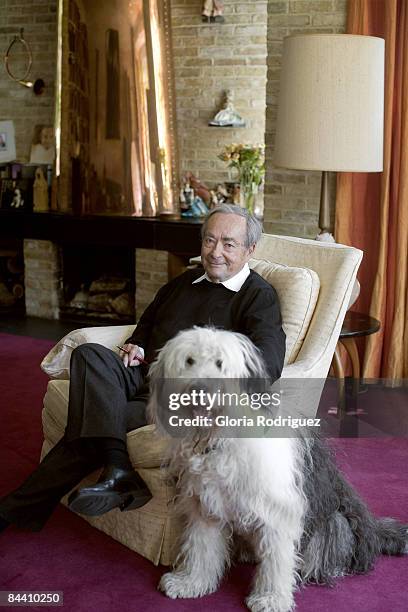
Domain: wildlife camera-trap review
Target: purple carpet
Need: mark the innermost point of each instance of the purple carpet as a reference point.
(96, 573)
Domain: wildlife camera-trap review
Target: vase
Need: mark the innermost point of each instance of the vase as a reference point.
(251, 198)
(247, 193)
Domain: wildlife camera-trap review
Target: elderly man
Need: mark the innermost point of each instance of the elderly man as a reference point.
(108, 393)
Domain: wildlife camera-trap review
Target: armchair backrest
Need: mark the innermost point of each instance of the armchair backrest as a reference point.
(336, 266)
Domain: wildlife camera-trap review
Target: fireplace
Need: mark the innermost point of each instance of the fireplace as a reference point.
(98, 284)
(106, 244)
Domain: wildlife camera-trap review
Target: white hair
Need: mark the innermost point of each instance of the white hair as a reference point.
(208, 352)
(280, 502)
(253, 231)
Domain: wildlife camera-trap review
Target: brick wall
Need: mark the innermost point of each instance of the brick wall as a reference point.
(42, 278)
(39, 20)
(209, 59)
(292, 198)
(151, 274)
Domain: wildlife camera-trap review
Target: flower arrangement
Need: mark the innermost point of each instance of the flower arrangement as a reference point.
(249, 160)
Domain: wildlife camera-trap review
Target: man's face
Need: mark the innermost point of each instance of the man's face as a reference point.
(223, 253)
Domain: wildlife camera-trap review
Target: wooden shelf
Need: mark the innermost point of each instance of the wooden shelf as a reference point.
(175, 235)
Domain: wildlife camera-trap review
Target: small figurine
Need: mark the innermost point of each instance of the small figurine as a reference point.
(214, 199)
(222, 194)
(228, 116)
(18, 200)
(182, 199)
(200, 188)
(40, 191)
(213, 11)
(188, 195)
(197, 209)
(200, 207)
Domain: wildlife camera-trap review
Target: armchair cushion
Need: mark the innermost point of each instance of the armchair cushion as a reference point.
(56, 362)
(298, 290)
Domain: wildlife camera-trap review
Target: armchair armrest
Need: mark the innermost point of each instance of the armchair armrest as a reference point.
(301, 384)
(56, 362)
(108, 336)
(301, 368)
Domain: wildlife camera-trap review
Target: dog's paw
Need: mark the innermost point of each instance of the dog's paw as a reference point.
(270, 602)
(182, 585)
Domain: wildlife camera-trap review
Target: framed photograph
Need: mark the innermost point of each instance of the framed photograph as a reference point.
(17, 194)
(43, 146)
(7, 142)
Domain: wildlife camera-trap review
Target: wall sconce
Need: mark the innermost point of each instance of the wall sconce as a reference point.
(38, 86)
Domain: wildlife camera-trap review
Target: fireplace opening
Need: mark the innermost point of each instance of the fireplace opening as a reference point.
(98, 284)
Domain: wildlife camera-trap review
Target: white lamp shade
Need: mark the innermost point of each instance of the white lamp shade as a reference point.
(331, 103)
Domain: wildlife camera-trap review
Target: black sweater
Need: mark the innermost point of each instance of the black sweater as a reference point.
(253, 311)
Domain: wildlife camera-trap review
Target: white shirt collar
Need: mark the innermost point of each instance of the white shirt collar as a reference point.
(234, 283)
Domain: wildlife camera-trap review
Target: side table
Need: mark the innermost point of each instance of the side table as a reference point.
(355, 325)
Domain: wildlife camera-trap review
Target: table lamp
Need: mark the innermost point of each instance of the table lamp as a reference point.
(331, 107)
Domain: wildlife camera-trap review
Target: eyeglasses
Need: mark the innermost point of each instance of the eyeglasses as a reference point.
(227, 245)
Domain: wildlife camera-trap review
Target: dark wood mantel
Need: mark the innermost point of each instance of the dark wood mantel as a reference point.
(176, 235)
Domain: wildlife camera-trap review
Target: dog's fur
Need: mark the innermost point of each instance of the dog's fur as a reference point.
(280, 502)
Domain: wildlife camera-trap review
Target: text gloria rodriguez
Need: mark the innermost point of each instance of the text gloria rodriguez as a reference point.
(259, 420)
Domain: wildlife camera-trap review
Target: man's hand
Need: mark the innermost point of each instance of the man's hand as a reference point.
(129, 357)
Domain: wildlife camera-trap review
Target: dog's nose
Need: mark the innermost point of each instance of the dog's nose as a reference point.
(197, 387)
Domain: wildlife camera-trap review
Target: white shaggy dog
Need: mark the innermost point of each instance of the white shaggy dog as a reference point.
(278, 501)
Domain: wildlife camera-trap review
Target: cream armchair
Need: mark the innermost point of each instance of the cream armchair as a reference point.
(314, 281)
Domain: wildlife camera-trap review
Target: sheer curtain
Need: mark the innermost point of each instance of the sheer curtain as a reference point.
(372, 209)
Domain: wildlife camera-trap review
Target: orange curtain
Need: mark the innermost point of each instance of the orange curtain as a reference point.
(372, 209)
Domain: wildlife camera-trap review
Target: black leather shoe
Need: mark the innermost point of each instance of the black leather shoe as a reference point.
(116, 488)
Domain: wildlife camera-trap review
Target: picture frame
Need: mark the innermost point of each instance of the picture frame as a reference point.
(7, 142)
(17, 194)
(43, 145)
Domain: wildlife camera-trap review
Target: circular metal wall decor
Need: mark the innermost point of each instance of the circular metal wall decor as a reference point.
(38, 86)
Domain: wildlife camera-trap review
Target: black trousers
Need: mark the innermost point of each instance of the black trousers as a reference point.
(106, 400)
